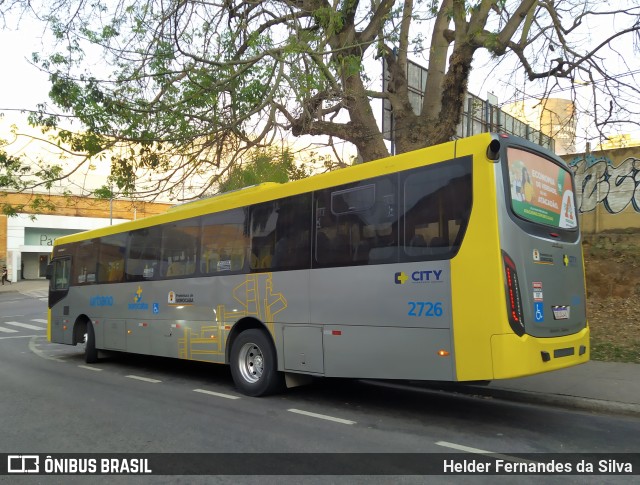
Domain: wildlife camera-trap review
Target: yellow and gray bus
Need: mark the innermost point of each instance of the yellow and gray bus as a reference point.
(457, 262)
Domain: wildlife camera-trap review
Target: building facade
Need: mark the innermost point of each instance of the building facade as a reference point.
(555, 117)
(26, 240)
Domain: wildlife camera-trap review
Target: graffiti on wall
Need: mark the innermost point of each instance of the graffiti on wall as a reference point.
(599, 181)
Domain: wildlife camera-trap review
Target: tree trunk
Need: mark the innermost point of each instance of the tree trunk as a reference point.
(454, 90)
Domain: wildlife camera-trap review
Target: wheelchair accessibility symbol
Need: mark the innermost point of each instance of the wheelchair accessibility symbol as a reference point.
(538, 308)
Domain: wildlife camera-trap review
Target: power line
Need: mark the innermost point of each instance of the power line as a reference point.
(572, 87)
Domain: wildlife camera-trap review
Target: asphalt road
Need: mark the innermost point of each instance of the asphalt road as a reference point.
(52, 402)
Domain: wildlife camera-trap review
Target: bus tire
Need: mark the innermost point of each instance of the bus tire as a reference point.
(90, 351)
(254, 365)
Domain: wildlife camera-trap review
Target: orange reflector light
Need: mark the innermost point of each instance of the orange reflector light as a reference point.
(129, 332)
(64, 327)
(443, 353)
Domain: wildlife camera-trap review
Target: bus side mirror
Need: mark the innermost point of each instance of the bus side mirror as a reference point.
(493, 150)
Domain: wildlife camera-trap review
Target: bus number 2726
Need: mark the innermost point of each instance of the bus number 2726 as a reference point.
(425, 309)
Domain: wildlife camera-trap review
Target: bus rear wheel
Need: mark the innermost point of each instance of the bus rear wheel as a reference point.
(254, 366)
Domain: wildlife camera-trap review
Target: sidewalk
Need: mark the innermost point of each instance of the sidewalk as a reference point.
(24, 285)
(595, 386)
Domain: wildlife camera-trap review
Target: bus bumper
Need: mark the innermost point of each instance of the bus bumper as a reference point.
(515, 356)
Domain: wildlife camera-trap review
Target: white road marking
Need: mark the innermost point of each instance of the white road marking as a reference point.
(218, 394)
(468, 449)
(18, 336)
(90, 368)
(145, 379)
(322, 416)
(478, 451)
(39, 320)
(8, 330)
(23, 325)
(33, 348)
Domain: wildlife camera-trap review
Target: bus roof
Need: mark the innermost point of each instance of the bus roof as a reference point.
(270, 190)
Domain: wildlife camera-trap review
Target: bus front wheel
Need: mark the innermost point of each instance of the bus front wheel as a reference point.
(254, 366)
(90, 351)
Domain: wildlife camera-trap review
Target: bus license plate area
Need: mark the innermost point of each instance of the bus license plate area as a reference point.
(561, 312)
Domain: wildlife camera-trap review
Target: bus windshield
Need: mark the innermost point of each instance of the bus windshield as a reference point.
(541, 191)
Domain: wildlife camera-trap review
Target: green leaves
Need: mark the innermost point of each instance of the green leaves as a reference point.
(330, 20)
(13, 173)
(264, 166)
(105, 192)
(16, 176)
(186, 87)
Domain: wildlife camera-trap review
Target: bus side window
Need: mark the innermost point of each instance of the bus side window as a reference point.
(179, 248)
(322, 246)
(85, 263)
(224, 243)
(61, 273)
(143, 254)
(209, 258)
(111, 258)
(357, 223)
(437, 206)
(263, 233)
(280, 232)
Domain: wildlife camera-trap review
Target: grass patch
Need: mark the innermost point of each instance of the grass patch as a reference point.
(609, 352)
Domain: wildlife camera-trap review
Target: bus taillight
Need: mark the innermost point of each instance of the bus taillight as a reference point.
(514, 302)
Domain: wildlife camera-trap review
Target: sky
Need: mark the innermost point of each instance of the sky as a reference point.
(23, 86)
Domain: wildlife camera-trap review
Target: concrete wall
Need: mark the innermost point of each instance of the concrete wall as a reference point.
(608, 189)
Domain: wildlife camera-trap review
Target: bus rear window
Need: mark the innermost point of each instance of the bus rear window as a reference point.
(541, 191)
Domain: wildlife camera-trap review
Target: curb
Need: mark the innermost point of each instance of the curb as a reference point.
(558, 401)
(553, 400)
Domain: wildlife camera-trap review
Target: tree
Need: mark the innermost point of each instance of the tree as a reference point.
(16, 176)
(187, 86)
(268, 165)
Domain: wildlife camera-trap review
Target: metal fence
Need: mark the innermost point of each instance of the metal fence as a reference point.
(478, 115)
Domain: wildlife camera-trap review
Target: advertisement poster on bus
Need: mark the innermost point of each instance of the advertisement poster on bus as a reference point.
(541, 191)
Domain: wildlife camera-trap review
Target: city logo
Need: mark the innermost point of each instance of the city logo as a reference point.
(422, 276)
(427, 276)
(400, 278)
(138, 304)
